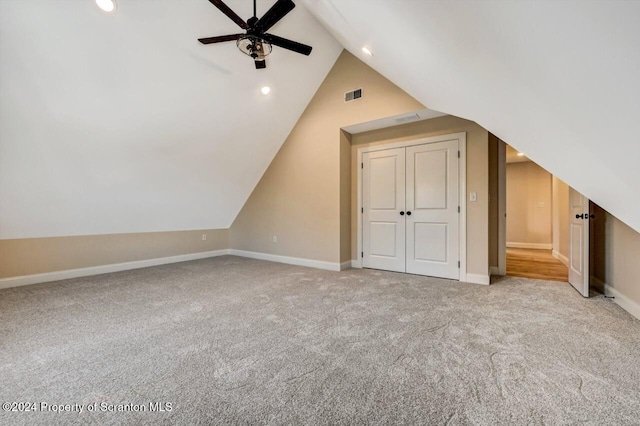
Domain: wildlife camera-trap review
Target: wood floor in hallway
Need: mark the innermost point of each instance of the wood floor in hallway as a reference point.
(538, 264)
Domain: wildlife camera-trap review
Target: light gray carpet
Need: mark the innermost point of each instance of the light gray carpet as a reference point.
(239, 341)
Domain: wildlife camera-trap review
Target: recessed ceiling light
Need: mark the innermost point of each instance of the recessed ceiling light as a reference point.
(367, 51)
(520, 154)
(106, 5)
(265, 90)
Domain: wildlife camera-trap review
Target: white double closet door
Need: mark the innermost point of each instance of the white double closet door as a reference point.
(410, 209)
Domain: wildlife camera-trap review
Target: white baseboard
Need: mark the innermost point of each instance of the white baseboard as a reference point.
(329, 266)
(561, 257)
(104, 269)
(356, 264)
(623, 301)
(536, 246)
(478, 279)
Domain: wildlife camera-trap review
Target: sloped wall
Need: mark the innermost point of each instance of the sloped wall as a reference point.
(558, 80)
(299, 197)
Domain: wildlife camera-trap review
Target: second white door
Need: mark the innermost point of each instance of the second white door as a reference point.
(410, 209)
(579, 242)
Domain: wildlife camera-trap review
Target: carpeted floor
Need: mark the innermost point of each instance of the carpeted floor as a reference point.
(238, 341)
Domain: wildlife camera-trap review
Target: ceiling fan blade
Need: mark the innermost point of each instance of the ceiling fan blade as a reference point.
(261, 64)
(287, 44)
(218, 39)
(273, 15)
(230, 13)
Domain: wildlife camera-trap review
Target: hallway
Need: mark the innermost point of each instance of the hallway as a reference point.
(539, 264)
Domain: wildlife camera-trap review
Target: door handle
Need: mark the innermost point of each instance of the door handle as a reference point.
(401, 213)
(408, 213)
(585, 216)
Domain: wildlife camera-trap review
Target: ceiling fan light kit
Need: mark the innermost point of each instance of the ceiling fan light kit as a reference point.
(256, 42)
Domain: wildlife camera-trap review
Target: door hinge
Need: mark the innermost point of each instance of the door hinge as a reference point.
(458, 154)
(361, 209)
(362, 165)
(361, 254)
(458, 264)
(458, 209)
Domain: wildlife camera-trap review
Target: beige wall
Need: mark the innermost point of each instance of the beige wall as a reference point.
(345, 196)
(623, 259)
(560, 216)
(477, 178)
(528, 188)
(40, 255)
(304, 194)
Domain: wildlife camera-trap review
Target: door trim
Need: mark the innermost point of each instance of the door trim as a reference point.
(502, 208)
(462, 188)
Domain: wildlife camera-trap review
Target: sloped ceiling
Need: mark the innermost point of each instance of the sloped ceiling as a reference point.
(125, 123)
(557, 80)
(113, 123)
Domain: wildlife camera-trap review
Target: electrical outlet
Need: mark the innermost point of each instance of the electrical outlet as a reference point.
(275, 238)
(204, 237)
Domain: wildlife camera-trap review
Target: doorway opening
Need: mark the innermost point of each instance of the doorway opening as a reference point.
(540, 227)
(537, 233)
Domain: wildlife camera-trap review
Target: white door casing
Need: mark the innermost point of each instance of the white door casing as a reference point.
(432, 209)
(579, 242)
(383, 200)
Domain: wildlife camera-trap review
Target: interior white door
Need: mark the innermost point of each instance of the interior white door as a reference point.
(579, 242)
(383, 201)
(432, 209)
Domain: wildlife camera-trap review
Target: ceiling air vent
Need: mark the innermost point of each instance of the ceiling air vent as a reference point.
(353, 95)
(408, 118)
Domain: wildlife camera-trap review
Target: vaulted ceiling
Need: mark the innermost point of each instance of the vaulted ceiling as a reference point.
(557, 80)
(124, 123)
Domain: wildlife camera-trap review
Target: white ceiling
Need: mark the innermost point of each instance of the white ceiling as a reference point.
(123, 122)
(557, 80)
(382, 123)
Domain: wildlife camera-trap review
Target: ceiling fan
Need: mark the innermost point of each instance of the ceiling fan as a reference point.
(256, 42)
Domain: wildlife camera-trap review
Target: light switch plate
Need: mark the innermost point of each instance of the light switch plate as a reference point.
(473, 196)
